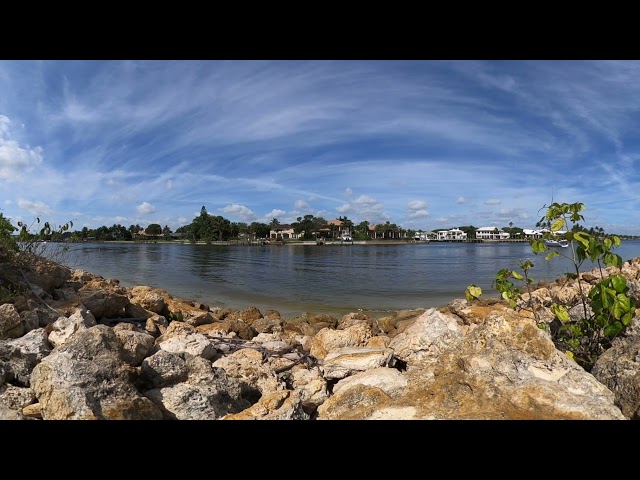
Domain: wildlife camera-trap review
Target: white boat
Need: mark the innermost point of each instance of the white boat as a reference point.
(557, 243)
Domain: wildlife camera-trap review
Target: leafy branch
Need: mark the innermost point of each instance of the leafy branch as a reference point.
(606, 308)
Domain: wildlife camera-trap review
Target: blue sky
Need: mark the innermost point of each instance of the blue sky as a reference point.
(423, 144)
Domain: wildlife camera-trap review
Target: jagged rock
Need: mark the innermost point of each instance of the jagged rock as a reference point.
(619, 369)
(345, 361)
(65, 327)
(328, 339)
(10, 323)
(147, 298)
(247, 315)
(207, 394)
(183, 338)
(21, 355)
(87, 379)
(16, 398)
(136, 344)
(279, 405)
(163, 369)
(102, 302)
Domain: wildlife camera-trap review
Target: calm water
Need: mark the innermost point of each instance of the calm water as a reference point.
(334, 279)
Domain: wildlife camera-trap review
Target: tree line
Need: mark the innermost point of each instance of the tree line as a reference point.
(208, 228)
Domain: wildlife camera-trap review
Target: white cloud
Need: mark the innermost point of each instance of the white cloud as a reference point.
(419, 214)
(365, 200)
(417, 205)
(35, 208)
(275, 213)
(301, 205)
(4, 125)
(145, 208)
(168, 184)
(493, 201)
(15, 161)
(243, 212)
(348, 192)
(346, 208)
(460, 200)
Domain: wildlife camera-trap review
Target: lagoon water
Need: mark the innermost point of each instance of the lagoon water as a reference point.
(332, 279)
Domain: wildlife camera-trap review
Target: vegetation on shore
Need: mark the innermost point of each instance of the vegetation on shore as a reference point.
(604, 312)
(210, 228)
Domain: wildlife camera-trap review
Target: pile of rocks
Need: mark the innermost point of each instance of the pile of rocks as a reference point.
(78, 346)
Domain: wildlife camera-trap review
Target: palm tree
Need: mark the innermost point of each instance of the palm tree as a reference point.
(363, 227)
(274, 226)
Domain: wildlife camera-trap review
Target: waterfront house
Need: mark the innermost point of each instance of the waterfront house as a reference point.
(491, 233)
(334, 229)
(283, 232)
(455, 234)
(529, 233)
(534, 234)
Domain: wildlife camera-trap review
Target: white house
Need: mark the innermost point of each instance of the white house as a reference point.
(453, 234)
(283, 232)
(491, 233)
(528, 233)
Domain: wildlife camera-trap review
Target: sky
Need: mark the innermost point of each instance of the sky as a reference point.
(422, 144)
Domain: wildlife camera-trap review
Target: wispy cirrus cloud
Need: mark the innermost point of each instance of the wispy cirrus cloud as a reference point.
(418, 143)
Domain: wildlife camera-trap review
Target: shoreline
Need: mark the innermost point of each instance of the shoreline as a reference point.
(278, 243)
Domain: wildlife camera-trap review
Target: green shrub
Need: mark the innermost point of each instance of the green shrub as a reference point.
(606, 309)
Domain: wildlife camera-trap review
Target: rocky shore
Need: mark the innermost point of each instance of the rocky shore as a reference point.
(76, 346)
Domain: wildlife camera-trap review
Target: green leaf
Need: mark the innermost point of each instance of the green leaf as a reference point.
(613, 329)
(473, 292)
(627, 317)
(618, 282)
(538, 246)
(552, 254)
(558, 225)
(622, 305)
(560, 312)
(516, 275)
(583, 238)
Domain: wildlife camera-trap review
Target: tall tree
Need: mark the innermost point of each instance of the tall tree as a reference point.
(363, 227)
(220, 225)
(134, 229)
(153, 229)
(259, 230)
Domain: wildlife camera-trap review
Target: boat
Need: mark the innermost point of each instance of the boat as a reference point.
(557, 243)
(422, 237)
